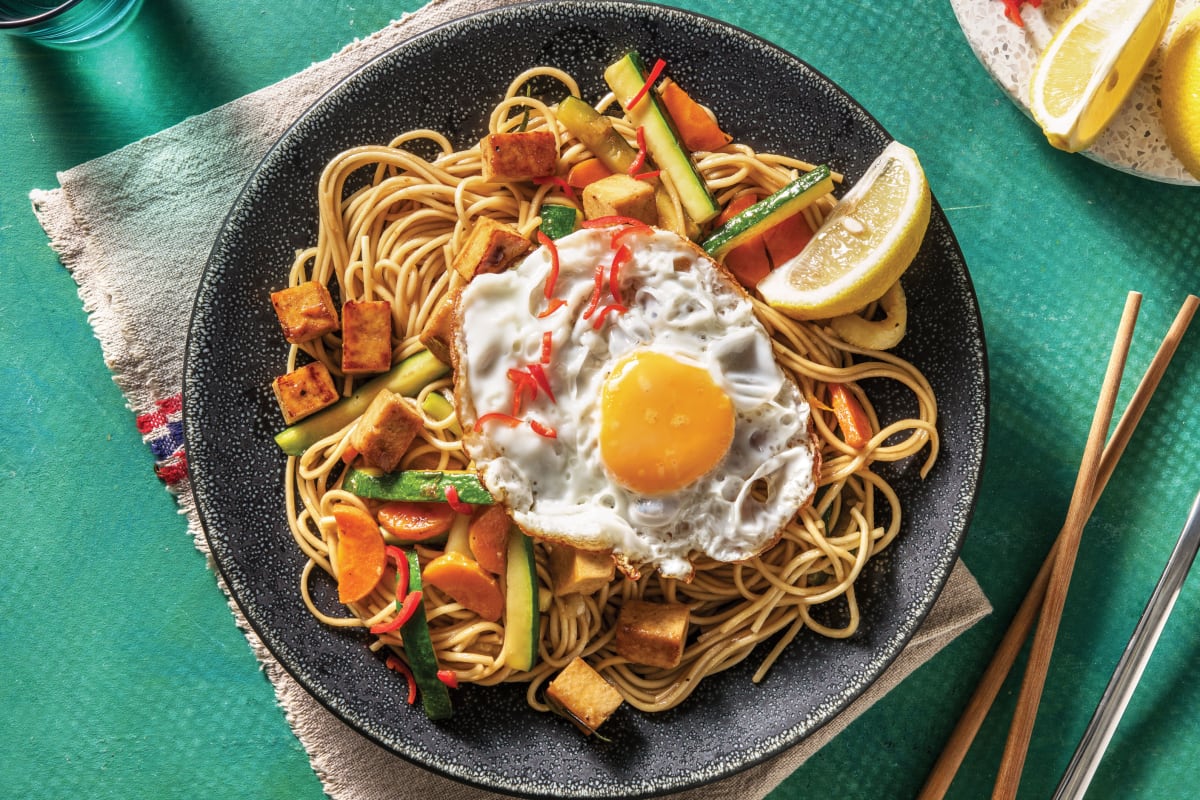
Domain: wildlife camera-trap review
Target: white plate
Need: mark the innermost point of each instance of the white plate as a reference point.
(1134, 141)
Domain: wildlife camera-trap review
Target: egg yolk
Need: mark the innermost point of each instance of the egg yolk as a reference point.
(663, 423)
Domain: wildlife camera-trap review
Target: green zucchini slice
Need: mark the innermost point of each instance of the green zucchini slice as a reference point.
(521, 614)
(422, 658)
(626, 78)
(558, 221)
(770, 211)
(416, 485)
(407, 378)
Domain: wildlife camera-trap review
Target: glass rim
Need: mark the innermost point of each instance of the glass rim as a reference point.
(36, 18)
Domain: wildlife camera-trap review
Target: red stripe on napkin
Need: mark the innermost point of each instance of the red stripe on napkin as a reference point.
(162, 430)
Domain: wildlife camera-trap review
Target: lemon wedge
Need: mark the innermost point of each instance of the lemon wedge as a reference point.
(863, 246)
(1090, 66)
(1181, 92)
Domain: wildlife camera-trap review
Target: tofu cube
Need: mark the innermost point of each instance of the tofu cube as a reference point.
(518, 156)
(580, 571)
(491, 247)
(305, 312)
(386, 430)
(439, 328)
(652, 633)
(304, 391)
(621, 196)
(366, 336)
(584, 694)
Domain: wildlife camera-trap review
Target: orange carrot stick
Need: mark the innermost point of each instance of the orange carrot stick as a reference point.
(587, 172)
(468, 583)
(415, 522)
(787, 239)
(697, 128)
(852, 418)
(488, 535)
(361, 556)
(748, 262)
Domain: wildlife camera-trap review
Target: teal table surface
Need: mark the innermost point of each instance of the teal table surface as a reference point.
(122, 673)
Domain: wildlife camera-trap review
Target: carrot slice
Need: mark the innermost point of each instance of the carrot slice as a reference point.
(697, 128)
(748, 262)
(788, 238)
(851, 417)
(468, 583)
(361, 554)
(587, 172)
(415, 522)
(489, 538)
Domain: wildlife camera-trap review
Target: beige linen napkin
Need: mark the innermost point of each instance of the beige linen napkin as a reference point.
(138, 263)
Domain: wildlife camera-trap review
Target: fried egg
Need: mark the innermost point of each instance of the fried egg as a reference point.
(630, 401)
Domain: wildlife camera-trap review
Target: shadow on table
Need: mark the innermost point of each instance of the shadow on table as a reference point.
(157, 72)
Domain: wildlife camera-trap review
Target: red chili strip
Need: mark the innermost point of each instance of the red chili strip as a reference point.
(547, 343)
(639, 160)
(552, 303)
(620, 259)
(401, 561)
(496, 416)
(629, 230)
(543, 383)
(548, 243)
(555, 304)
(543, 430)
(522, 382)
(555, 180)
(617, 307)
(412, 601)
(594, 303)
(651, 79)
(1012, 10)
(458, 505)
(448, 677)
(611, 220)
(396, 664)
(647, 176)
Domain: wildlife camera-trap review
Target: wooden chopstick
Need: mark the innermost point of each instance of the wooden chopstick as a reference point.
(1019, 734)
(952, 755)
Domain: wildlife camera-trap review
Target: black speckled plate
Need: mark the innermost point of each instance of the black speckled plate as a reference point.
(448, 80)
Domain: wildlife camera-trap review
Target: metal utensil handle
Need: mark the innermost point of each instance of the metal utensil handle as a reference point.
(1099, 732)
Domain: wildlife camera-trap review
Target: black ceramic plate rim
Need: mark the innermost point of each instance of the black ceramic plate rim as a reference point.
(721, 765)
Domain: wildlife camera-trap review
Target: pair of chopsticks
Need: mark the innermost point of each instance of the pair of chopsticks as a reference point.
(1046, 597)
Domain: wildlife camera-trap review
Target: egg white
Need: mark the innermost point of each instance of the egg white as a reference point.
(680, 303)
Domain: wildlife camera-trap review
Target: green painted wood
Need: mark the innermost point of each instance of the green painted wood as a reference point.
(121, 671)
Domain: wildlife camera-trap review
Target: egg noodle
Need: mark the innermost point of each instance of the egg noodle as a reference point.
(394, 237)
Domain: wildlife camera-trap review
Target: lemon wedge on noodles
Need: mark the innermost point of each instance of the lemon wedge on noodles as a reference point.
(863, 246)
(1181, 92)
(1091, 64)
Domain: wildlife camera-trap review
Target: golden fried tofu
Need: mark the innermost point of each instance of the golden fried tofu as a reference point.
(366, 336)
(621, 196)
(652, 633)
(579, 571)
(304, 391)
(439, 328)
(518, 156)
(583, 694)
(305, 312)
(490, 247)
(386, 429)
(672, 217)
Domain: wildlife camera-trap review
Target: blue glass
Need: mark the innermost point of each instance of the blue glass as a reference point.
(73, 24)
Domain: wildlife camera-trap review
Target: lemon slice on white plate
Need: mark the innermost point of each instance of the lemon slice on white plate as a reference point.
(864, 245)
(1181, 92)
(1134, 141)
(1091, 65)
